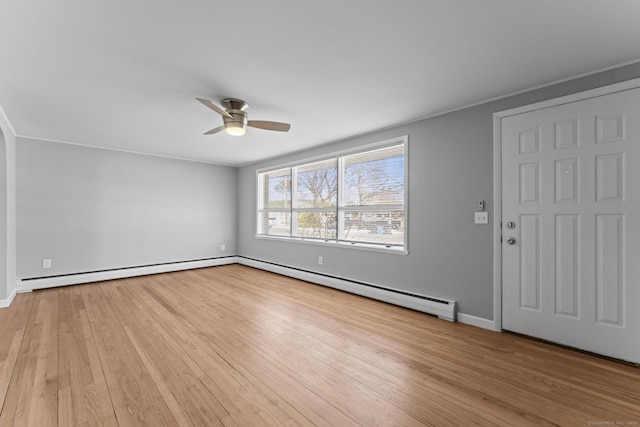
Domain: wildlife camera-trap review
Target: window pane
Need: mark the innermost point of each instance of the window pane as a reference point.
(316, 225)
(379, 227)
(374, 178)
(317, 184)
(274, 223)
(276, 189)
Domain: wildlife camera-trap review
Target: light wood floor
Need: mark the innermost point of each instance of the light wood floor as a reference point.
(236, 346)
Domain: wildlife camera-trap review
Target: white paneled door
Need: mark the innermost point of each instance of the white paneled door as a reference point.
(571, 224)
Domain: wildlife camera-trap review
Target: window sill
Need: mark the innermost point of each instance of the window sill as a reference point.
(333, 244)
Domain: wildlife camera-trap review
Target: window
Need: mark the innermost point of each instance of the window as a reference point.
(274, 216)
(355, 199)
(316, 200)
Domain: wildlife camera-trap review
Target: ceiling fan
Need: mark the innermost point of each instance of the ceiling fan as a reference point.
(235, 120)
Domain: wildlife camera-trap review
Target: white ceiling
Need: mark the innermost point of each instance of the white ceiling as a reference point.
(124, 74)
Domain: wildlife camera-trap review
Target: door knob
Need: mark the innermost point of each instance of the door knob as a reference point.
(511, 241)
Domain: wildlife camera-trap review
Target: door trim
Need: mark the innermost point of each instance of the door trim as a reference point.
(497, 174)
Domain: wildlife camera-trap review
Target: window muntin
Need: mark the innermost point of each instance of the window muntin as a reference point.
(356, 199)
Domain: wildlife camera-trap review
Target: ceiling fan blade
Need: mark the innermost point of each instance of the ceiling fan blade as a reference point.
(267, 125)
(216, 130)
(215, 108)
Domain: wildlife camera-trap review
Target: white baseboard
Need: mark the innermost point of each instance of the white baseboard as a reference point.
(444, 309)
(476, 321)
(74, 279)
(4, 303)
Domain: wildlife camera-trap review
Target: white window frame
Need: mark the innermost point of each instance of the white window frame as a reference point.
(378, 247)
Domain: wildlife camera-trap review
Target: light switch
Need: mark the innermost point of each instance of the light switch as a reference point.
(481, 217)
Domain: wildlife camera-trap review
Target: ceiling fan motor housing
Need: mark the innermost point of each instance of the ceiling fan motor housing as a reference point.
(236, 108)
(239, 118)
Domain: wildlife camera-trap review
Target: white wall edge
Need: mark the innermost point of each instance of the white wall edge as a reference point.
(479, 322)
(75, 279)
(4, 303)
(497, 223)
(6, 120)
(443, 311)
(10, 224)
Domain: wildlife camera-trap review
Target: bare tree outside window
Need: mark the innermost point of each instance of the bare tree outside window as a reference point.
(316, 200)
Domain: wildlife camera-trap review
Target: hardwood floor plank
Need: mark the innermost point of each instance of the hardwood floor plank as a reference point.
(171, 373)
(236, 346)
(447, 346)
(135, 397)
(283, 338)
(44, 395)
(254, 364)
(83, 396)
(200, 358)
(434, 404)
(245, 396)
(32, 395)
(16, 404)
(14, 321)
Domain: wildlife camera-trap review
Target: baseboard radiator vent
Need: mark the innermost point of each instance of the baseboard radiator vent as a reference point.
(34, 283)
(443, 308)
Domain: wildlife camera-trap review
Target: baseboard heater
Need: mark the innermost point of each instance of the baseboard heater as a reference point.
(443, 308)
(34, 283)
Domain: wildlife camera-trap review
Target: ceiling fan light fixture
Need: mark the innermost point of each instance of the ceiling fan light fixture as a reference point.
(234, 118)
(235, 128)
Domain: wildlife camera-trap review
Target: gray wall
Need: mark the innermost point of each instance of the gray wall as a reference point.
(450, 169)
(90, 209)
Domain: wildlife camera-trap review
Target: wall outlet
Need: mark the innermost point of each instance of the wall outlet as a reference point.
(481, 217)
(223, 247)
(46, 263)
(320, 260)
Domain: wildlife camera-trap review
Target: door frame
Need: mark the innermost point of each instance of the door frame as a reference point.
(497, 175)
